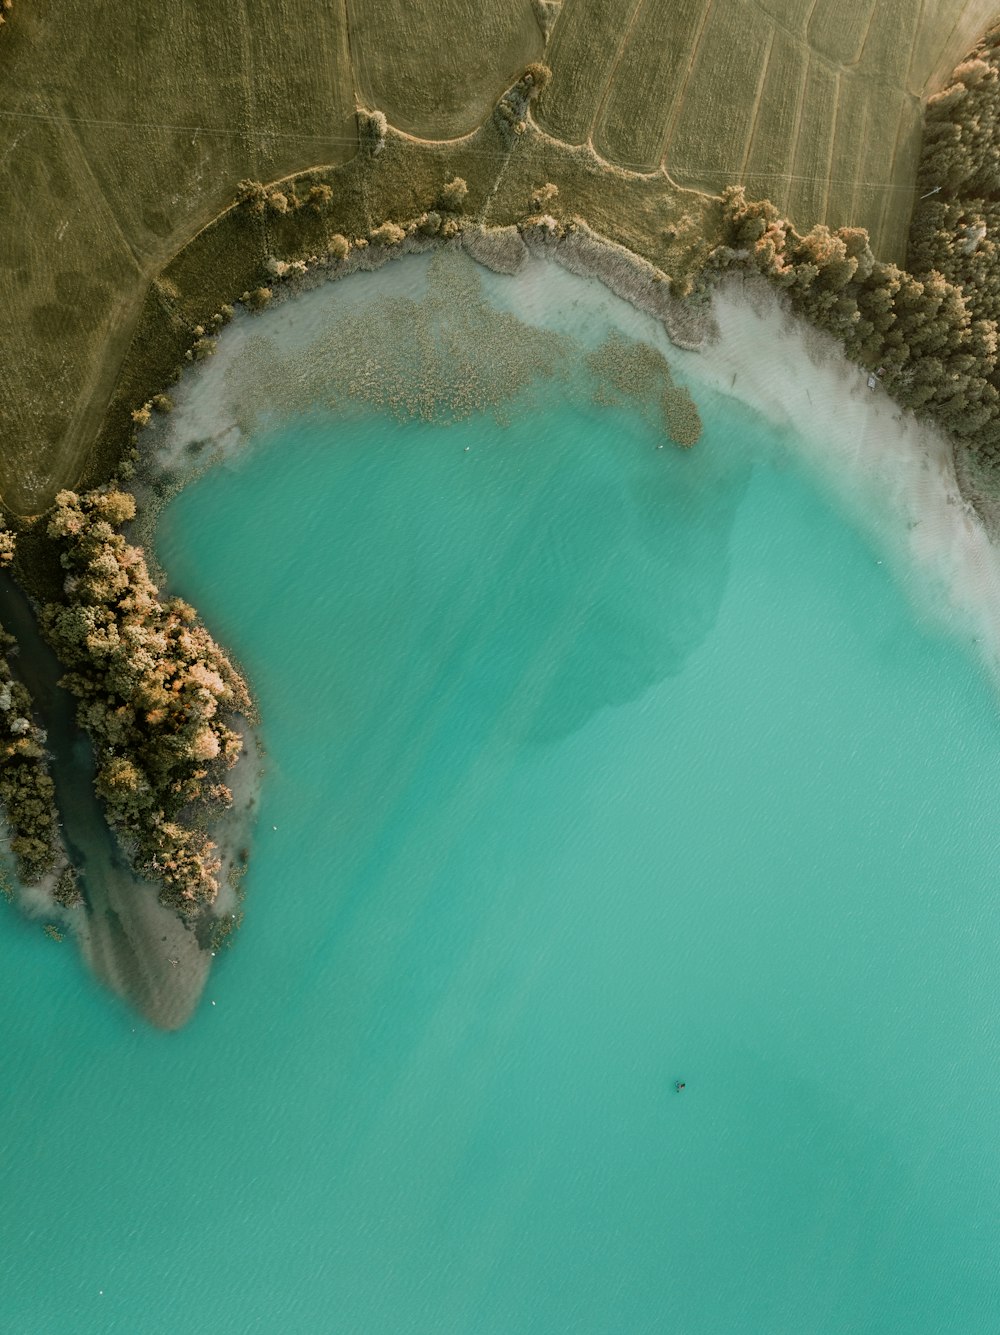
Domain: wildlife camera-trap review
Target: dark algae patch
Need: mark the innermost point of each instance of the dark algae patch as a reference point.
(641, 374)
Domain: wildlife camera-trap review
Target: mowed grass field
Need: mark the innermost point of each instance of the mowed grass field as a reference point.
(124, 128)
(815, 104)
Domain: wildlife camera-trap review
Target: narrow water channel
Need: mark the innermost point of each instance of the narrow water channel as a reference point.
(133, 945)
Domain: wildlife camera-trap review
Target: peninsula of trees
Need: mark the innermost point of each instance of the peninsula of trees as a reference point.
(155, 693)
(27, 792)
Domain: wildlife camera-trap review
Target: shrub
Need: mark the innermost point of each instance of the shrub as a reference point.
(535, 79)
(251, 195)
(67, 891)
(544, 197)
(27, 792)
(152, 690)
(511, 110)
(320, 197)
(277, 202)
(258, 298)
(338, 246)
(453, 193)
(389, 234)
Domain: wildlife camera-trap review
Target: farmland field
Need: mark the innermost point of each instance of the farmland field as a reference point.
(123, 140)
(786, 94)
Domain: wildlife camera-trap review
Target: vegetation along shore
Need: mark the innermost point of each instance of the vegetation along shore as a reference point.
(532, 162)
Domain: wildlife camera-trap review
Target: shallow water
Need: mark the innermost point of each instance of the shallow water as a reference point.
(593, 767)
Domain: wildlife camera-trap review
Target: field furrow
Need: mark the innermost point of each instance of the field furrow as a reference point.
(582, 55)
(307, 67)
(809, 186)
(649, 76)
(888, 47)
(436, 70)
(838, 30)
(792, 18)
(876, 190)
(63, 282)
(711, 136)
(773, 145)
(894, 223)
(946, 34)
(848, 147)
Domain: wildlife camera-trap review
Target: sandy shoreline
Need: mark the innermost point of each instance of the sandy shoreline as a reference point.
(893, 474)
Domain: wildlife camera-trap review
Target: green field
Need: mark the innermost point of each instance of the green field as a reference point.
(125, 128)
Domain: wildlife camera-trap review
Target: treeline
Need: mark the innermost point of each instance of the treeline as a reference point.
(937, 355)
(27, 792)
(955, 227)
(154, 691)
(26, 788)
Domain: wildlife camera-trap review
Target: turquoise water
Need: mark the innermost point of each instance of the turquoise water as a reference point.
(593, 767)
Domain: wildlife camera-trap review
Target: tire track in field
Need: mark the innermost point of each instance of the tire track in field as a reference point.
(678, 103)
(613, 72)
(756, 105)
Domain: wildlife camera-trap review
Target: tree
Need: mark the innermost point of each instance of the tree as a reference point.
(372, 130)
(320, 197)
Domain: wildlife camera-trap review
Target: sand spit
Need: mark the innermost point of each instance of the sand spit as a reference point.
(143, 952)
(134, 946)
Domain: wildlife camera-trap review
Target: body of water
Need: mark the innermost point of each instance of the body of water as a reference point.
(593, 767)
